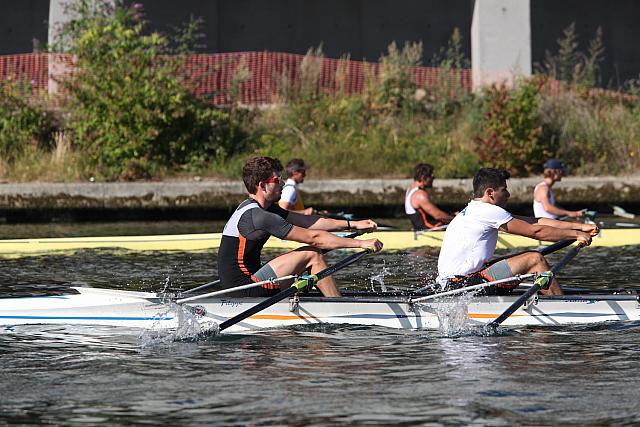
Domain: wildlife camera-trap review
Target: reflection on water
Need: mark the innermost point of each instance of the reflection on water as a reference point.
(322, 375)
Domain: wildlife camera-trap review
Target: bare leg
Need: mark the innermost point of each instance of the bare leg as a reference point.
(304, 259)
(534, 262)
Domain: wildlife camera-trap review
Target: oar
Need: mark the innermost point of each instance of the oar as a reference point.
(295, 287)
(545, 250)
(618, 211)
(215, 282)
(517, 278)
(542, 282)
(237, 288)
(351, 218)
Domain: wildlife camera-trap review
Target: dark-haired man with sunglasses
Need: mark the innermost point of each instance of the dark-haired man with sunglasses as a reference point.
(259, 217)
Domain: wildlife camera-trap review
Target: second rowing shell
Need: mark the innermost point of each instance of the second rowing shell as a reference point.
(393, 240)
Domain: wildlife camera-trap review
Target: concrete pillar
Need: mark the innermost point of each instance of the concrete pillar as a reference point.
(500, 41)
(57, 18)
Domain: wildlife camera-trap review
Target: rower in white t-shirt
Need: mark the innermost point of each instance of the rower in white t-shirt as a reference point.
(470, 240)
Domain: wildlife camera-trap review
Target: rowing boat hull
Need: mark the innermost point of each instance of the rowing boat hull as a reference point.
(145, 310)
(393, 240)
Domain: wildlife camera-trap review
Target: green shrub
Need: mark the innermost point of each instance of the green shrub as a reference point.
(22, 124)
(511, 131)
(131, 112)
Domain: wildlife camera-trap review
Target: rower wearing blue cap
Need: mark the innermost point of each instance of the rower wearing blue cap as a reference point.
(544, 203)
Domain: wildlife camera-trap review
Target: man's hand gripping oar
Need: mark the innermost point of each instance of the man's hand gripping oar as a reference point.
(295, 287)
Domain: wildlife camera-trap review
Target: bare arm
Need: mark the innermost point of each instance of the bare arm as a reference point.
(542, 195)
(422, 200)
(587, 228)
(288, 206)
(325, 240)
(315, 222)
(544, 232)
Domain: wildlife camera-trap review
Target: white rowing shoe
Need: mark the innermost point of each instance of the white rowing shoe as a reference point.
(93, 306)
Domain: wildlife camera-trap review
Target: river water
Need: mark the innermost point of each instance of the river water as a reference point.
(313, 375)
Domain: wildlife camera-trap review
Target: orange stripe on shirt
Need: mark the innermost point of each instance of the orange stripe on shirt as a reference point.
(241, 246)
(423, 214)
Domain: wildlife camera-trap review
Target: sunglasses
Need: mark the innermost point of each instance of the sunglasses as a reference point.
(273, 179)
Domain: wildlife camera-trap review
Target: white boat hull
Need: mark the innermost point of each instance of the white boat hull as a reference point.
(145, 310)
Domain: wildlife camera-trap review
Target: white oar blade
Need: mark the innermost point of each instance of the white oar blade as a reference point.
(618, 211)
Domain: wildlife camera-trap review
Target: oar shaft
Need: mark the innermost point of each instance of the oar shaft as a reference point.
(517, 278)
(342, 264)
(545, 250)
(237, 288)
(565, 259)
(516, 305)
(533, 289)
(556, 246)
(258, 307)
(206, 285)
(297, 286)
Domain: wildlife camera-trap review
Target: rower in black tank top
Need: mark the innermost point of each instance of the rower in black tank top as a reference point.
(420, 220)
(243, 237)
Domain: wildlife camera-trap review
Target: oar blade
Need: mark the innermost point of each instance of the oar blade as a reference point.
(618, 211)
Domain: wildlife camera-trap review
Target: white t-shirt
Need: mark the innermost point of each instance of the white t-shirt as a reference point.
(470, 239)
(289, 192)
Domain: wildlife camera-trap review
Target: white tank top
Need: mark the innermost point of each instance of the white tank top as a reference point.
(408, 209)
(538, 209)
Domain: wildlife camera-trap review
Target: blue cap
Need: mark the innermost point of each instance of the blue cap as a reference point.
(554, 164)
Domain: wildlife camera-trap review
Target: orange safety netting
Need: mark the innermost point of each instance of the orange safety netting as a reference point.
(250, 78)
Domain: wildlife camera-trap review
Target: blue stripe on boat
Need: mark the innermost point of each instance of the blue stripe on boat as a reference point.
(84, 318)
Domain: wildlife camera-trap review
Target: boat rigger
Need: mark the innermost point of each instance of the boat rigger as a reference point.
(393, 240)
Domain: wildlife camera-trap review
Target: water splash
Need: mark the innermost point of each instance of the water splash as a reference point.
(379, 278)
(452, 313)
(190, 326)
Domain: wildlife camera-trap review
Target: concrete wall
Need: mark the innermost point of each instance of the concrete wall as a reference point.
(216, 199)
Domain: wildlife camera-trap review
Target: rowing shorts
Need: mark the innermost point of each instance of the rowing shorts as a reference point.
(492, 271)
(266, 290)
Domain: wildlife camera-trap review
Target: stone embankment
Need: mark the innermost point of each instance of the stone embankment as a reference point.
(345, 194)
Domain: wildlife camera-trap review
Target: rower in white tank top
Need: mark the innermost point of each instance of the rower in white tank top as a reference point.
(538, 207)
(544, 202)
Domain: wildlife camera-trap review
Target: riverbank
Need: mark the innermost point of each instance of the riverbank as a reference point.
(214, 199)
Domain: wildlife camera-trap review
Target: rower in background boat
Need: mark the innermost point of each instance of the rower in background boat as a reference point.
(259, 217)
(422, 212)
(290, 199)
(544, 203)
(470, 240)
